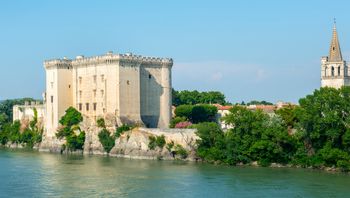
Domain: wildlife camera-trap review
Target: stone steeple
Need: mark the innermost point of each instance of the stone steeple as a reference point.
(334, 50)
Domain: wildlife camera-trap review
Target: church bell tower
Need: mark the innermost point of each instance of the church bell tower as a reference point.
(334, 70)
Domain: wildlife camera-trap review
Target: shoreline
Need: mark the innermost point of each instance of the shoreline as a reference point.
(120, 156)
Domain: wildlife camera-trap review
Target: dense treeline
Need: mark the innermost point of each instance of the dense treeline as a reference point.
(314, 134)
(195, 97)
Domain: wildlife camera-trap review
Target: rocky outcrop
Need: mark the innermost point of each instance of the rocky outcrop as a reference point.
(133, 143)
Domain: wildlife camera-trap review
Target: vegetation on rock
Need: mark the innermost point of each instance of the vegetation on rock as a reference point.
(120, 130)
(71, 131)
(107, 140)
(156, 141)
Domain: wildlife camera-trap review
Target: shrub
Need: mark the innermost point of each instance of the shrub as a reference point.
(156, 141)
(120, 130)
(176, 120)
(107, 141)
(170, 146)
(160, 141)
(152, 142)
(179, 150)
(101, 123)
(183, 125)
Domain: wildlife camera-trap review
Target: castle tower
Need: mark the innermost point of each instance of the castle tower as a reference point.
(58, 92)
(334, 70)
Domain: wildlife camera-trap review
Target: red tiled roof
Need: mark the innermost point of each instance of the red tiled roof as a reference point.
(225, 107)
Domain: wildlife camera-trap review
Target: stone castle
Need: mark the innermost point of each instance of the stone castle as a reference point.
(133, 89)
(334, 69)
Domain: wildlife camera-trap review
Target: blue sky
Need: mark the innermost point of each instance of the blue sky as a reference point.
(263, 50)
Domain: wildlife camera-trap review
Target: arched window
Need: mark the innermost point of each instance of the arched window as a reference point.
(332, 71)
(338, 70)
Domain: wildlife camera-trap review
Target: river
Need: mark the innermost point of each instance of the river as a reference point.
(34, 174)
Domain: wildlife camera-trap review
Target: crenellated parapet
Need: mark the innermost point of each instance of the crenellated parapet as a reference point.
(110, 58)
(58, 63)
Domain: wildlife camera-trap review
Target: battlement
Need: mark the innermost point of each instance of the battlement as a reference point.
(109, 58)
(60, 63)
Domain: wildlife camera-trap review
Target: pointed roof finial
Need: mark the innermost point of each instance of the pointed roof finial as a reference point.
(334, 51)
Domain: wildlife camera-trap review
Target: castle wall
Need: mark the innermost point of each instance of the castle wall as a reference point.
(166, 97)
(129, 92)
(26, 112)
(151, 91)
(64, 91)
(95, 89)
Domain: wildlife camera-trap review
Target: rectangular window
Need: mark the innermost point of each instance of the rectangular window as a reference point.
(80, 94)
(80, 106)
(95, 77)
(87, 106)
(51, 99)
(94, 93)
(95, 106)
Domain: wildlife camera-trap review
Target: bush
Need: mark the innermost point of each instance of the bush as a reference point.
(176, 120)
(197, 113)
(179, 150)
(107, 141)
(152, 142)
(120, 130)
(183, 125)
(156, 141)
(70, 125)
(160, 141)
(170, 146)
(101, 123)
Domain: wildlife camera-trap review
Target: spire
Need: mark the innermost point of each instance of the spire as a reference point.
(334, 51)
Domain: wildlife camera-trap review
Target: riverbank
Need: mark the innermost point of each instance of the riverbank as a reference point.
(19, 148)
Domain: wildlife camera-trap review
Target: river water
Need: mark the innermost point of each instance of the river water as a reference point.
(33, 174)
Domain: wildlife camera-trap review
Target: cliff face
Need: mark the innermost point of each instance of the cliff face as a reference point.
(134, 143)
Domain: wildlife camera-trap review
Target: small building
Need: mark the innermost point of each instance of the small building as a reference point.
(26, 112)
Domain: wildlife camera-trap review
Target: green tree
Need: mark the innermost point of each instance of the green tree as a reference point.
(323, 119)
(203, 113)
(197, 113)
(194, 97)
(288, 115)
(184, 111)
(71, 131)
(211, 145)
(255, 102)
